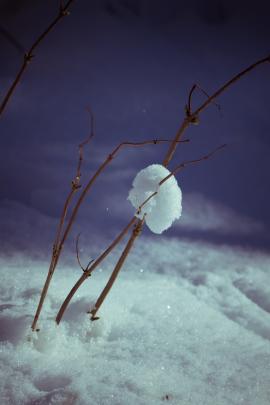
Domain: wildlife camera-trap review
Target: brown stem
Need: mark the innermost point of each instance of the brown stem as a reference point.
(63, 11)
(174, 171)
(136, 232)
(193, 88)
(193, 117)
(88, 272)
(81, 146)
(75, 185)
(188, 162)
(43, 296)
(229, 83)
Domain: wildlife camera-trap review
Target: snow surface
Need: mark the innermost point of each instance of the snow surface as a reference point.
(162, 209)
(185, 323)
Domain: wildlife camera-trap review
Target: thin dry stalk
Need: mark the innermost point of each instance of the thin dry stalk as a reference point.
(134, 235)
(28, 57)
(193, 117)
(89, 271)
(84, 269)
(75, 185)
(188, 106)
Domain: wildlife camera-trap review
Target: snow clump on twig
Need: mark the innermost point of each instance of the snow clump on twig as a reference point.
(162, 209)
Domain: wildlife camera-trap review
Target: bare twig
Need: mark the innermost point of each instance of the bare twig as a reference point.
(135, 233)
(84, 269)
(77, 252)
(193, 117)
(189, 162)
(88, 139)
(188, 106)
(63, 12)
(57, 246)
(176, 169)
(87, 273)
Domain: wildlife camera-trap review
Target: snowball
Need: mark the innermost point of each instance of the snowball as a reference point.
(162, 209)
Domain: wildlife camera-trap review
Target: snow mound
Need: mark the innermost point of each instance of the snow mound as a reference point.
(164, 208)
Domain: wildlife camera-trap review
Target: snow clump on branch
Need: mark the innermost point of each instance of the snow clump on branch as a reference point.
(162, 209)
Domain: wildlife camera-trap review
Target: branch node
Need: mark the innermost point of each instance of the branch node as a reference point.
(28, 57)
(76, 183)
(63, 11)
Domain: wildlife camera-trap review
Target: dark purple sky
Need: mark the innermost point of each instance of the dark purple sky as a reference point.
(134, 63)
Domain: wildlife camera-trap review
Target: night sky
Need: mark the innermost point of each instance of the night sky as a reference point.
(134, 63)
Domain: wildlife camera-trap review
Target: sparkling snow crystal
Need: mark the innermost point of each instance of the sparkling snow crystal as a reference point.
(162, 209)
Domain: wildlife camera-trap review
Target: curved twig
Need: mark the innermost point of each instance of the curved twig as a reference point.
(84, 269)
(57, 246)
(88, 273)
(193, 117)
(188, 106)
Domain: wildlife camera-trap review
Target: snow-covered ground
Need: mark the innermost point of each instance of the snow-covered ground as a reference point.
(185, 323)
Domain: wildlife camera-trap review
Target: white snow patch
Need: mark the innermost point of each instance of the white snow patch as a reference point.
(162, 209)
(192, 328)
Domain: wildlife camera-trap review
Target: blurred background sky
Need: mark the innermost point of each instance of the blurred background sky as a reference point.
(134, 62)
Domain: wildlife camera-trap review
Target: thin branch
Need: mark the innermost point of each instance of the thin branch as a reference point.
(175, 170)
(189, 107)
(88, 139)
(194, 116)
(135, 233)
(77, 252)
(229, 83)
(57, 246)
(189, 162)
(78, 256)
(12, 40)
(88, 273)
(63, 12)
(188, 111)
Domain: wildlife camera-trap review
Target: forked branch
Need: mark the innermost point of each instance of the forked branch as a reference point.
(28, 56)
(194, 116)
(75, 185)
(189, 107)
(134, 235)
